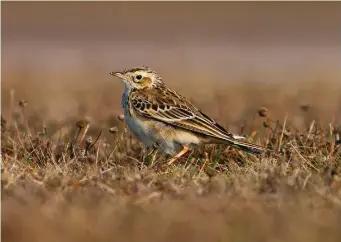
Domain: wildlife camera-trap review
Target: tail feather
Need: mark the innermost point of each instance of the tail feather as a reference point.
(239, 143)
(248, 147)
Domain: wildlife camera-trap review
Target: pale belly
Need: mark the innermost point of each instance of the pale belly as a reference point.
(138, 129)
(160, 135)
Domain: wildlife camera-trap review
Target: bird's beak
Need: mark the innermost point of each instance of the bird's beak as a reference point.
(118, 74)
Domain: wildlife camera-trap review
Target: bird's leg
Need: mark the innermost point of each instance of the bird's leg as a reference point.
(181, 153)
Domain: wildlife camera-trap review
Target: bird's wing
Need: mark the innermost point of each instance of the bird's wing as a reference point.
(167, 106)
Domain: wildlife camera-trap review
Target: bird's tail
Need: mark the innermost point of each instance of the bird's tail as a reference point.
(247, 147)
(239, 143)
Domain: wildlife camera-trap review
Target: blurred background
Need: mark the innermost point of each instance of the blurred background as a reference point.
(230, 58)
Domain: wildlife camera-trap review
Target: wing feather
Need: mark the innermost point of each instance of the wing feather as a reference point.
(173, 109)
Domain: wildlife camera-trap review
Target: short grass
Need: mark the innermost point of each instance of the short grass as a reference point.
(85, 178)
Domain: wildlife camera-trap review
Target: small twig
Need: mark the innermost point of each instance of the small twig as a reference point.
(332, 144)
(281, 137)
(34, 150)
(190, 161)
(100, 132)
(97, 153)
(57, 167)
(19, 139)
(153, 157)
(107, 170)
(115, 147)
(81, 125)
(204, 164)
(23, 105)
(84, 133)
(304, 159)
(306, 180)
(310, 131)
(267, 139)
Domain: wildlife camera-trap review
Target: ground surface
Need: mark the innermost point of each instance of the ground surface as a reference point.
(83, 177)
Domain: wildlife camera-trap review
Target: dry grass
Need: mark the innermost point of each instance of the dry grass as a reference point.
(82, 177)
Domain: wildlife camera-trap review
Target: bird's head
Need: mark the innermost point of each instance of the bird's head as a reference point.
(139, 78)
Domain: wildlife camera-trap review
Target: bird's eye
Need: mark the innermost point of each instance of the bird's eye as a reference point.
(139, 77)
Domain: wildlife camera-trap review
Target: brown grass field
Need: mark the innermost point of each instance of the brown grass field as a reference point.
(56, 185)
(71, 171)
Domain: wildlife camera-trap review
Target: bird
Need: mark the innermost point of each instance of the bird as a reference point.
(163, 119)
